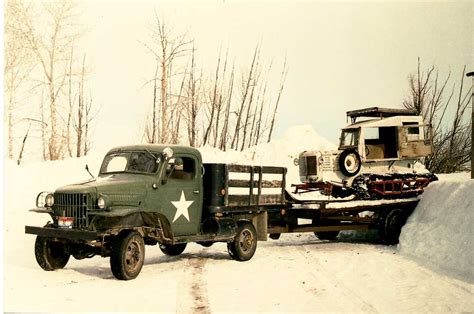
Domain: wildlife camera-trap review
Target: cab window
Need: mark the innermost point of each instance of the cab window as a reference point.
(349, 138)
(181, 168)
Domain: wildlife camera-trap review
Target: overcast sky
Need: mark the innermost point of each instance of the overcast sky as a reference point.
(341, 56)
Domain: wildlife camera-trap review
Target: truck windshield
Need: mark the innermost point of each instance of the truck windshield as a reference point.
(141, 162)
(349, 138)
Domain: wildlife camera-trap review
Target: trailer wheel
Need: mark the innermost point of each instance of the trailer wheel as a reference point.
(173, 249)
(245, 243)
(392, 225)
(128, 255)
(349, 162)
(275, 236)
(327, 235)
(49, 254)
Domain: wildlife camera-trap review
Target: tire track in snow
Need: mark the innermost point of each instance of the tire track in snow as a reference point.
(193, 282)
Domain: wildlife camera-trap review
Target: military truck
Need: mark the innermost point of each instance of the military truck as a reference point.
(378, 157)
(155, 194)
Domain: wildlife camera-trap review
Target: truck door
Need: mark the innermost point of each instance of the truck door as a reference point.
(415, 140)
(181, 195)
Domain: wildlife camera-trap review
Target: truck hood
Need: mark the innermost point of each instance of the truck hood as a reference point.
(116, 184)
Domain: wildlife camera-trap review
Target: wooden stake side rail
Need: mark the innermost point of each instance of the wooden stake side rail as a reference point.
(250, 198)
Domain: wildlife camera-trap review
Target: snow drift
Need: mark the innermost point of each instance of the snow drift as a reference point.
(440, 231)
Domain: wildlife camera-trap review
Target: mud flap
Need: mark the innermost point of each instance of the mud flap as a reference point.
(260, 223)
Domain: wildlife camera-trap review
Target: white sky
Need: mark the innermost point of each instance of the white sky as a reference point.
(341, 55)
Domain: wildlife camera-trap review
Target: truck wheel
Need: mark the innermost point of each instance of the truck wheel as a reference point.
(327, 235)
(128, 254)
(49, 254)
(173, 249)
(275, 236)
(392, 226)
(245, 243)
(349, 162)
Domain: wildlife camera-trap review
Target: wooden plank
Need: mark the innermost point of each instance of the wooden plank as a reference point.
(234, 183)
(274, 170)
(247, 200)
(266, 199)
(238, 168)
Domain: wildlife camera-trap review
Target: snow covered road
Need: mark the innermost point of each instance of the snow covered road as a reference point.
(295, 273)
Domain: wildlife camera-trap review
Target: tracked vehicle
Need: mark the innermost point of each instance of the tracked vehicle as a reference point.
(378, 157)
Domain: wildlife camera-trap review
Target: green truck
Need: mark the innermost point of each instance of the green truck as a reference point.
(155, 194)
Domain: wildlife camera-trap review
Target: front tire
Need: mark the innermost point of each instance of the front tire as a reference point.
(173, 249)
(245, 243)
(128, 255)
(50, 255)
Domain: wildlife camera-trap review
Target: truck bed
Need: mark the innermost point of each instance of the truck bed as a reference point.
(240, 188)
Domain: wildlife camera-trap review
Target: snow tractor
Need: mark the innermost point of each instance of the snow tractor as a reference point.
(378, 157)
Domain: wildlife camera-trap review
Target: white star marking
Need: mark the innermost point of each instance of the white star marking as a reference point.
(182, 207)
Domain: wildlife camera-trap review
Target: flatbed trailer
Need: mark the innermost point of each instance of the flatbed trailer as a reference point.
(328, 217)
(282, 211)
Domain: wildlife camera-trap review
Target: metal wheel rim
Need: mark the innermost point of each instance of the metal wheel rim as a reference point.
(351, 163)
(133, 256)
(246, 241)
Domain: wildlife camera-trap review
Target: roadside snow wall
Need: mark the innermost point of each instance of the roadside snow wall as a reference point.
(440, 232)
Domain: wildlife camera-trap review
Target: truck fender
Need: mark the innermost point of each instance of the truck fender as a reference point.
(131, 218)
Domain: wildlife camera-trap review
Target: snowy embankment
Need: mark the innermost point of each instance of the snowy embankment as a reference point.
(440, 231)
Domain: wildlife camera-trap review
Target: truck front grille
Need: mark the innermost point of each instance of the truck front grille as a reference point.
(73, 205)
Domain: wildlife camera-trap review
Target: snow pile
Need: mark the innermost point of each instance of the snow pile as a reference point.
(279, 152)
(439, 233)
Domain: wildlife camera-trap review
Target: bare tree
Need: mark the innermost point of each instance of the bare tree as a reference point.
(166, 48)
(51, 46)
(445, 110)
(284, 73)
(17, 63)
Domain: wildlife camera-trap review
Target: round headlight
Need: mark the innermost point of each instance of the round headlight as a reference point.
(49, 200)
(101, 202)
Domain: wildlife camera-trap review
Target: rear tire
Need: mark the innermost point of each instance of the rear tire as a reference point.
(50, 255)
(128, 255)
(173, 249)
(245, 243)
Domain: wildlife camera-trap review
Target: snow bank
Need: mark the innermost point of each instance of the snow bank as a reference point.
(440, 231)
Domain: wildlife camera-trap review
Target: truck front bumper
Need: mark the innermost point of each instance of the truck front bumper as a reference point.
(71, 234)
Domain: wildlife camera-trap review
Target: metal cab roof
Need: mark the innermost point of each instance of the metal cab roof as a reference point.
(378, 112)
(158, 148)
